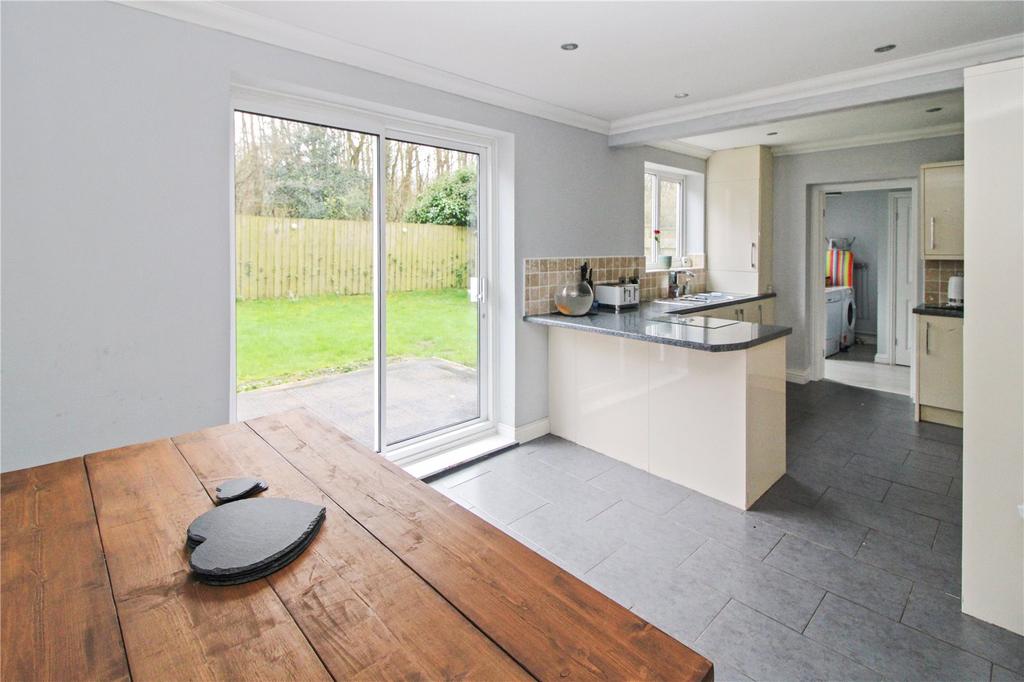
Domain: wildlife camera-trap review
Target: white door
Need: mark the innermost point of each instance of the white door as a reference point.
(904, 279)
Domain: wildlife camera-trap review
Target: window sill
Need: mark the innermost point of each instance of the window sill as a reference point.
(674, 268)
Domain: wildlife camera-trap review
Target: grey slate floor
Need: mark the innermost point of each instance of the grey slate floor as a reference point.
(848, 569)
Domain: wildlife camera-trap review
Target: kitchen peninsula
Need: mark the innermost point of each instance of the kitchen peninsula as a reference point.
(691, 398)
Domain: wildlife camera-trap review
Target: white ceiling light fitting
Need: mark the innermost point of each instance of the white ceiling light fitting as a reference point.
(932, 110)
(885, 48)
(681, 95)
(774, 132)
(569, 47)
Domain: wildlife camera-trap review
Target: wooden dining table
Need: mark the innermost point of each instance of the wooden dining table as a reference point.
(400, 583)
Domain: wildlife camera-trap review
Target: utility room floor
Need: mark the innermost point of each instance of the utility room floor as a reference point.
(848, 568)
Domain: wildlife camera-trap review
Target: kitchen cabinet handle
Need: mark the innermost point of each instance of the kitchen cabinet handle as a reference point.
(932, 247)
(760, 314)
(753, 258)
(927, 338)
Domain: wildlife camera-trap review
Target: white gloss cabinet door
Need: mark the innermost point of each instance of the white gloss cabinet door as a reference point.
(698, 420)
(611, 376)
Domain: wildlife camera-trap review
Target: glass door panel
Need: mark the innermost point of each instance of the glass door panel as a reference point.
(304, 211)
(432, 316)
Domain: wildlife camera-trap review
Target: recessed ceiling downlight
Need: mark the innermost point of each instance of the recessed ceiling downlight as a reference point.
(885, 48)
(681, 95)
(569, 47)
(932, 110)
(774, 132)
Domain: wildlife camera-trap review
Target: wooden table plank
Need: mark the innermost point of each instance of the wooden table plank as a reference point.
(58, 620)
(365, 612)
(175, 627)
(553, 624)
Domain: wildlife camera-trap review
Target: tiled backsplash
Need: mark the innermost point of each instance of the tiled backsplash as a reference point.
(545, 276)
(936, 278)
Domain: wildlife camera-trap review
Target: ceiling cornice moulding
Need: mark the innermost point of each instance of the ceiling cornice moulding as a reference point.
(944, 130)
(921, 65)
(271, 31)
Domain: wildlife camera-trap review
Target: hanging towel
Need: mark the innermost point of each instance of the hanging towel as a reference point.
(839, 268)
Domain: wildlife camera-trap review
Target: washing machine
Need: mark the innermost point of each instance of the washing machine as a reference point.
(833, 319)
(848, 305)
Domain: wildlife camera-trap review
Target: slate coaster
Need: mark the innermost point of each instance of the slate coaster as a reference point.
(237, 488)
(249, 539)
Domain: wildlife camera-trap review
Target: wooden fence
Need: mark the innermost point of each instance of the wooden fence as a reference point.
(292, 258)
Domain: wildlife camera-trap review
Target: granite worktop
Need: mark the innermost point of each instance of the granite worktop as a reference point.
(939, 310)
(651, 322)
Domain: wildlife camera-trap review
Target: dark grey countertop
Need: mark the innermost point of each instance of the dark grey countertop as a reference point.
(939, 310)
(652, 322)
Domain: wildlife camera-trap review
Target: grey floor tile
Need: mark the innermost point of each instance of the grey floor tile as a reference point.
(726, 524)
(799, 491)
(893, 649)
(1001, 674)
(626, 574)
(785, 598)
(581, 462)
(956, 488)
(857, 581)
(911, 561)
(680, 607)
(939, 615)
(809, 523)
(497, 497)
(907, 474)
(933, 505)
(842, 477)
(654, 535)
(765, 650)
(888, 452)
(725, 673)
(890, 519)
(575, 495)
(641, 488)
(935, 463)
(577, 546)
(830, 448)
(949, 540)
(887, 438)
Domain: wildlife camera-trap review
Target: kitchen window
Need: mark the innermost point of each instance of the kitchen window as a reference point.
(673, 217)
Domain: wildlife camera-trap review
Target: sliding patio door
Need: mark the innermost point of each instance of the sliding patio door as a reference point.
(357, 276)
(432, 324)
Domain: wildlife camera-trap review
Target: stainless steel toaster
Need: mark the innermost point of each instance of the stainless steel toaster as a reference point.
(618, 295)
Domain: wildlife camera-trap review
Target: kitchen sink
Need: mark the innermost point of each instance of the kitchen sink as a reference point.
(693, 300)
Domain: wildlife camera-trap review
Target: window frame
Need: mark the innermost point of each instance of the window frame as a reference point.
(664, 174)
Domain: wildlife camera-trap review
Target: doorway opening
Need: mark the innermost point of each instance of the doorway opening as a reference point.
(358, 277)
(863, 245)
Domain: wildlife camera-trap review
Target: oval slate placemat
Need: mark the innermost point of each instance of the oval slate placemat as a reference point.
(237, 488)
(249, 539)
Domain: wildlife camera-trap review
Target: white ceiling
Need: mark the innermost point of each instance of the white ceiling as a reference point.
(634, 56)
(905, 119)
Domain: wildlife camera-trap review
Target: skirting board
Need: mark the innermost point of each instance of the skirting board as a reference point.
(798, 376)
(534, 429)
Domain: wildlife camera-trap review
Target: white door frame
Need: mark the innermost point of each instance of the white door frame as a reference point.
(816, 259)
(894, 269)
(391, 123)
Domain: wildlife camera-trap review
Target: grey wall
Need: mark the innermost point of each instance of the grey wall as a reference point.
(115, 242)
(793, 177)
(864, 216)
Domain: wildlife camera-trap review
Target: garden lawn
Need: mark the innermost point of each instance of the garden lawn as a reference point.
(282, 340)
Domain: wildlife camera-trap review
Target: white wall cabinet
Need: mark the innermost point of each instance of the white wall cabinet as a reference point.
(940, 369)
(739, 220)
(942, 211)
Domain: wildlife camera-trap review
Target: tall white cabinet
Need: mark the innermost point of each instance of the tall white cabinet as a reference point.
(993, 528)
(739, 220)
